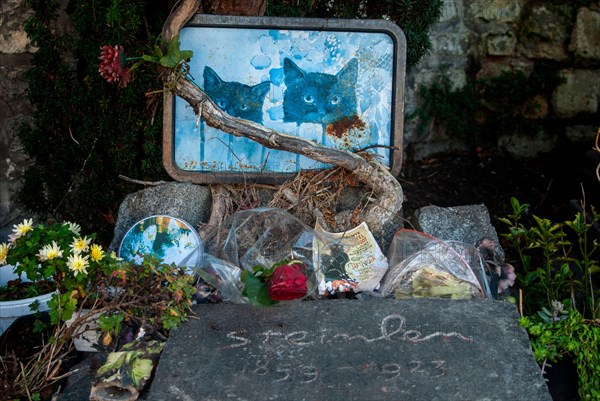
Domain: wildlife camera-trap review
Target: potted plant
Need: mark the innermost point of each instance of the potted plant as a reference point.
(559, 276)
(126, 300)
(19, 296)
(59, 255)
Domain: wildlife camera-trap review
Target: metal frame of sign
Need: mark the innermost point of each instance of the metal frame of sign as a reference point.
(371, 54)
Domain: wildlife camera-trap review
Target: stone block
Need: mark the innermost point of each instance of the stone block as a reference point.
(580, 93)
(501, 45)
(585, 38)
(13, 39)
(496, 11)
(495, 66)
(375, 349)
(546, 31)
(528, 145)
(467, 224)
(581, 133)
(189, 202)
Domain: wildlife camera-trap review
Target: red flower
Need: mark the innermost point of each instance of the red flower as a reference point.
(287, 283)
(112, 65)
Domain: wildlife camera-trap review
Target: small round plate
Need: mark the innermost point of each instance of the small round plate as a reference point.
(171, 239)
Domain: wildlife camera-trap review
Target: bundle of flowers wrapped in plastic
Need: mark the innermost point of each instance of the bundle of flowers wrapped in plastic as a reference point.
(284, 281)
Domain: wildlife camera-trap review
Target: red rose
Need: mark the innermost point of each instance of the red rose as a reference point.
(287, 283)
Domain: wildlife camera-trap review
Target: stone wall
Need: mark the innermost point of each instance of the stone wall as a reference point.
(15, 57)
(494, 34)
(499, 35)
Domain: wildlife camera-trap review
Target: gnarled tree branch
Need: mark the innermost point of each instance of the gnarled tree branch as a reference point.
(388, 191)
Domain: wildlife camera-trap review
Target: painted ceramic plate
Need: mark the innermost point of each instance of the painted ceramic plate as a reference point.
(171, 239)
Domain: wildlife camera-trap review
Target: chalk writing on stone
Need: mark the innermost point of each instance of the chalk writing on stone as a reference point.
(304, 373)
(392, 329)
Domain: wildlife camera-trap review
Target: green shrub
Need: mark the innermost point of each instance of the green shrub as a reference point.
(558, 260)
(86, 132)
(558, 265)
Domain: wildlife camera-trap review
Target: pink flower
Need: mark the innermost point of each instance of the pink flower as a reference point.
(287, 283)
(112, 65)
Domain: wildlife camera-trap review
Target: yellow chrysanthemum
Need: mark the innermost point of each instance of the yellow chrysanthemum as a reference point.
(3, 252)
(80, 245)
(74, 227)
(96, 253)
(77, 263)
(21, 229)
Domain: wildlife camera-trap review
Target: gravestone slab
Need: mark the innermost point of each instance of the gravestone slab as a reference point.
(376, 349)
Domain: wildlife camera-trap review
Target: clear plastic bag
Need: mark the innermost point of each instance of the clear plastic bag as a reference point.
(261, 236)
(425, 266)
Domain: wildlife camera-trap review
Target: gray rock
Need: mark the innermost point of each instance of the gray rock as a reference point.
(376, 349)
(580, 93)
(496, 11)
(586, 36)
(501, 45)
(467, 224)
(546, 30)
(186, 201)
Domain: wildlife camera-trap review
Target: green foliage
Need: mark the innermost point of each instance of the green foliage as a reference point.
(571, 335)
(86, 132)
(174, 61)
(256, 284)
(414, 17)
(558, 261)
(175, 58)
(111, 323)
(152, 293)
(486, 108)
(553, 267)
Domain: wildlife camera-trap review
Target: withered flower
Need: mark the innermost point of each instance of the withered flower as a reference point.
(112, 65)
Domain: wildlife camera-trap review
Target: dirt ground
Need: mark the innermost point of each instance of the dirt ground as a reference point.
(549, 183)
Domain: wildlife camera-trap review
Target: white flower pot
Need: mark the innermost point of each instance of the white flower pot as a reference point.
(11, 310)
(86, 336)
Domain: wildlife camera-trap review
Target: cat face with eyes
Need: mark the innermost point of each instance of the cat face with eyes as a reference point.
(234, 98)
(315, 97)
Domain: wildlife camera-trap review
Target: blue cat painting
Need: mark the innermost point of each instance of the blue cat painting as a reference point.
(319, 98)
(234, 98)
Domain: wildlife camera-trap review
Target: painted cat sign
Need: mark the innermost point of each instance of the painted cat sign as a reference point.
(338, 83)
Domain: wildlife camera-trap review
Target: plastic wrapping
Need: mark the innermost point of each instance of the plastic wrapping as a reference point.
(355, 266)
(222, 276)
(262, 236)
(167, 237)
(424, 266)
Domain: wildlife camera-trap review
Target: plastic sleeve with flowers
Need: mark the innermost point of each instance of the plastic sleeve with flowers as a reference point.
(249, 253)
